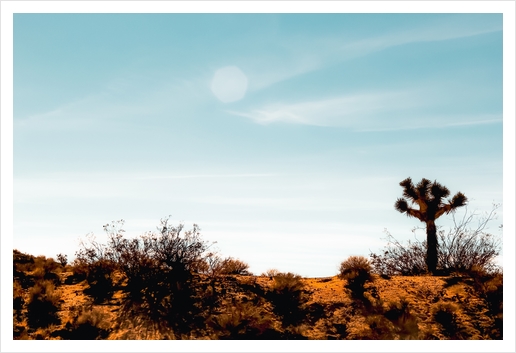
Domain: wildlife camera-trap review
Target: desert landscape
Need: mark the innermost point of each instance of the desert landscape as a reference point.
(55, 300)
(345, 165)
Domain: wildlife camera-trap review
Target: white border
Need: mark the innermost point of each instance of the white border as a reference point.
(9, 7)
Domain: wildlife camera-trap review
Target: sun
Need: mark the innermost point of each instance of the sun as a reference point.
(229, 84)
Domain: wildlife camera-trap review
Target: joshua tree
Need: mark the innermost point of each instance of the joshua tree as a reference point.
(429, 197)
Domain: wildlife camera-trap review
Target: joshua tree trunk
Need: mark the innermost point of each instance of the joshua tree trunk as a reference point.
(431, 250)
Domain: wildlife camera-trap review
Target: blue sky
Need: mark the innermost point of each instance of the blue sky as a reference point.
(284, 136)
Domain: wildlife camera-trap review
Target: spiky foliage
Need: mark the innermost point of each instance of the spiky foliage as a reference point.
(430, 200)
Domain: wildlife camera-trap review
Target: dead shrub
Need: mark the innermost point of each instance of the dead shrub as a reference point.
(490, 288)
(100, 279)
(287, 294)
(446, 314)
(43, 305)
(466, 246)
(405, 323)
(88, 324)
(159, 268)
(18, 296)
(243, 321)
(271, 273)
(63, 259)
(357, 271)
(231, 266)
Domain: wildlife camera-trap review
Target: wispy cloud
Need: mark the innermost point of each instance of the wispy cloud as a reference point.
(346, 110)
(439, 30)
(313, 53)
(125, 98)
(375, 111)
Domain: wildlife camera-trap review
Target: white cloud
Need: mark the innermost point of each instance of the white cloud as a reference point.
(345, 110)
(376, 111)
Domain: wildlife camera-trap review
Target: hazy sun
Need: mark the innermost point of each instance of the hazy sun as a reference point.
(229, 84)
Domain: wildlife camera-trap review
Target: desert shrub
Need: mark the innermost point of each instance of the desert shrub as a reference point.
(46, 269)
(22, 262)
(100, 280)
(18, 298)
(271, 273)
(63, 259)
(243, 321)
(88, 324)
(43, 305)
(159, 267)
(489, 286)
(446, 314)
(463, 248)
(287, 295)
(357, 271)
(80, 269)
(213, 265)
(405, 323)
(379, 328)
(231, 266)
(492, 291)
(398, 259)
(46, 264)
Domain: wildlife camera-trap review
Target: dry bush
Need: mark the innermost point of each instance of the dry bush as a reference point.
(231, 266)
(43, 305)
(287, 295)
(87, 324)
(63, 259)
(405, 323)
(462, 249)
(18, 299)
(379, 328)
(46, 269)
(399, 259)
(214, 266)
(243, 321)
(22, 262)
(47, 264)
(446, 314)
(271, 273)
(100, 280)
(489, 286)
(159, 267)
(357, 271)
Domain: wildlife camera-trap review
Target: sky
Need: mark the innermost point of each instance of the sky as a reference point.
(283, 136)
